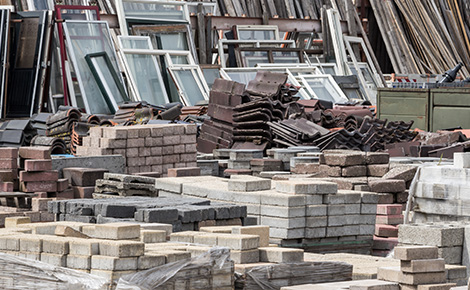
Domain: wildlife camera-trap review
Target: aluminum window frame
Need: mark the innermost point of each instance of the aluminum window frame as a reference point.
(198, 77)
(342, 97)
(123, 20)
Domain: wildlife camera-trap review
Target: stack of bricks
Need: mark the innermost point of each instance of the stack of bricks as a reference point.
(239, 162)
(447, 237)
(83, 180)
(146, 148)
(183, 213)
(389, 216)
(9, 169)
(299, 211)
(114, 184)
(420, 269)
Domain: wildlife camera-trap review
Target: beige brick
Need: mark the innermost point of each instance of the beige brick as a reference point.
(121, 248)
(30, 243)
(173, 256)
(113, 263)
(423, 278)
(79, 262)
(243, 257)
(185, 237)
(112, 143)
(115, 133)
(281, 255)
(445, 286)
(152, 236)
(238, 242)
(10, 243)
(85, 247)
(261, 231)
(209, 239)
(117, 231)
(110, 275)
(13, 222)
(219, 229)
(55, 245)
(423, 266)
(54, 259)
(150, 260)
(408, 253)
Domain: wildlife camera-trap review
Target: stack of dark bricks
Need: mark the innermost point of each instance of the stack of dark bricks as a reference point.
(145, 148)
(9, 169)
(184, 213)
(389, 216)
(218, 131)
(83, 180)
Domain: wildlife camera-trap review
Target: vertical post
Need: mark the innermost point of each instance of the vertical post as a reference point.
(201, 34)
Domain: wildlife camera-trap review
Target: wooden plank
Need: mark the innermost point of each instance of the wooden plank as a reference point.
(201, 34)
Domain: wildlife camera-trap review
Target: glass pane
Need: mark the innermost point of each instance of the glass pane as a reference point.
(134, 43)
(146, 76)
(256, 35)
(108, 80)
(179, 59)
(173, 41)
(285, 57)
(318, 86)
(154, 11)
(367, 75)
(188, 86)
(211, 74)
(85, 38)
(242, 77)
(251, 58)
(78, 14)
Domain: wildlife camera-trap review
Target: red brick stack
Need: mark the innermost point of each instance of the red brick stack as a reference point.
(38, 176)
(83, 180)
(8, 169)
(389, 216)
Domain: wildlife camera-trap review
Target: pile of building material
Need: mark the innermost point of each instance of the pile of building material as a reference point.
(217, 132)
(184, 213)
(114, 184)
(447, 237)
(420, 268)
(83, 180)
(146, 148)
(307, 213)
(386, 228)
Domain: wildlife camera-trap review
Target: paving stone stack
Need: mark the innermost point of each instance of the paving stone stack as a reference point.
(389, 216)
(146, 148)
(83, 180)
(420, 268)
(239, 161)
(447, 237)
(441, 192)
(308, 213)
(184, 213)
(371, 284)
(114, 184)
(109, 250)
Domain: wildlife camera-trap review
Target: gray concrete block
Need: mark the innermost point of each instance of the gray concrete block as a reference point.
(313, 233)
(283, 233)
(440, 235)
(316, 210)
(304, 186)
(113, 263)
(316, 222)
(271, 197)
(248, 183)
(282, 211)
(79, 262)
(287, 223)
(114, 163)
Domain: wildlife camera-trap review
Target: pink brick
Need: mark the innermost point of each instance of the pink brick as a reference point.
(171, 140)
(169, 159)
(389, 219)
(229, 172)
(48, 186)
(36, 152)
(135, 161)
(132, 152)
(185, 139)
(66, 194)
(167, 150)
(83, 192)
(37, 165)
(384, 243)
(62, 184)
(8, 163)
(389, 209)
(40, 204)
(47, 217)
(178, 149)
(9, 153)
(388, 231)
(8, 175)
(7, 186)
(135, 143)
(181, 172)
(26, 176)
(144, 152)
(190, 148)
(188, 157)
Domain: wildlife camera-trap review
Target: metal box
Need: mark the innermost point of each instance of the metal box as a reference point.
(450, 108)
